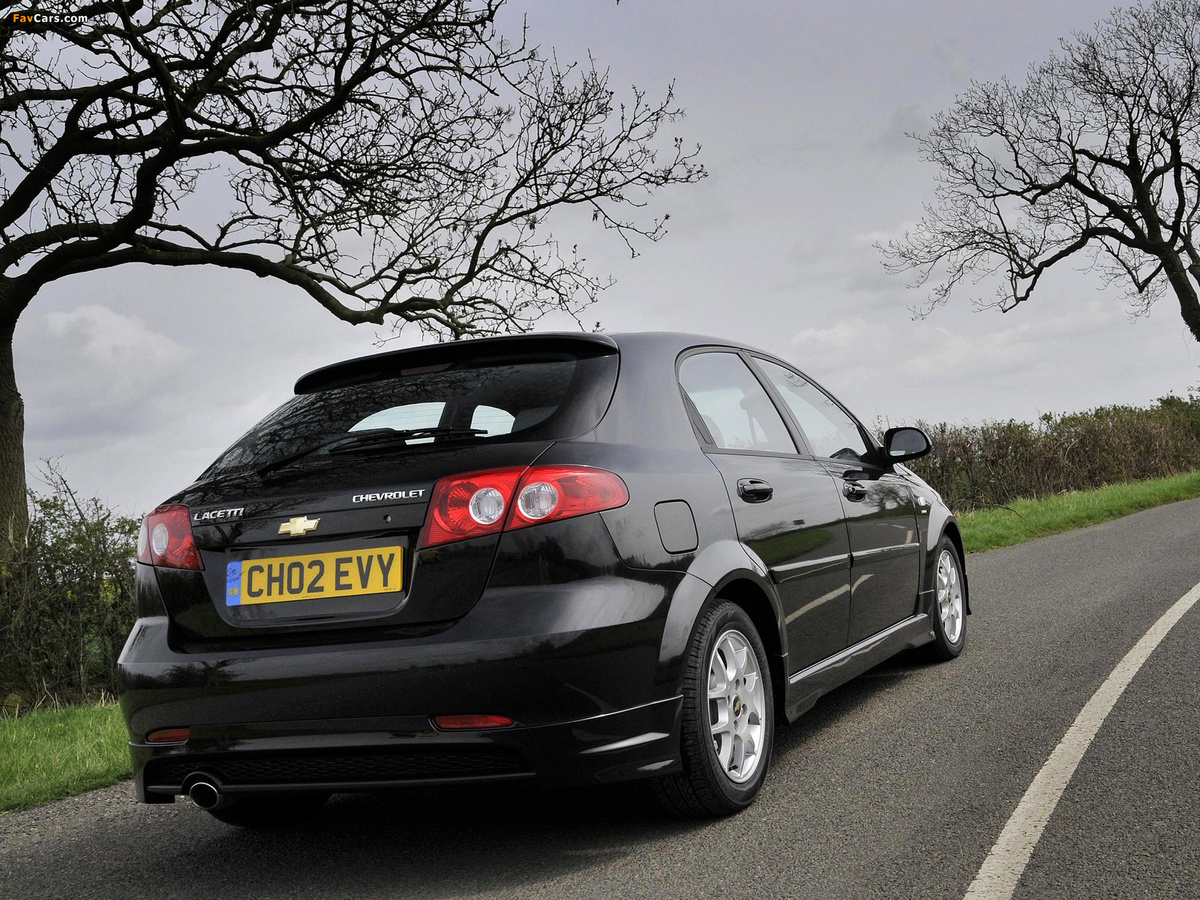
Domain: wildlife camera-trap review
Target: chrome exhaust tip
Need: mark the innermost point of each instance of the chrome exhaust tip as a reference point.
(205, 792)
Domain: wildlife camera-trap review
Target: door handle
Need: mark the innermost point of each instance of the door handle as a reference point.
(853, 490)
(754, 490)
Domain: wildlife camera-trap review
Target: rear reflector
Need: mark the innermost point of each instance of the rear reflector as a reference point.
(452, 723)
(168, 736)
(166, 539)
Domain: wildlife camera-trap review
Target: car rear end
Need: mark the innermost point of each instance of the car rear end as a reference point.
(403, 576)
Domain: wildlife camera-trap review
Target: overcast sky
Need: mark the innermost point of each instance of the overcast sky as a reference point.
(136, 378)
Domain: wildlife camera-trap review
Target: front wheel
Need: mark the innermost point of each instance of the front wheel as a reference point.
(728, 718)
(949, 605)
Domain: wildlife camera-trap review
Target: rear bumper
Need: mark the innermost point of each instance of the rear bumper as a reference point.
(365, 754)
(578, 667)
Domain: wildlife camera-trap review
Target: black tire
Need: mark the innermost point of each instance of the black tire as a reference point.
(722, 773)
(948, 611)
(269, 810)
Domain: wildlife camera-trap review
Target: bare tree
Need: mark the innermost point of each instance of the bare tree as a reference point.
(394, 160)
(1094, 159)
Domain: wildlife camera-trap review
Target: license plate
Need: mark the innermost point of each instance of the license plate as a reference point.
(314, 576)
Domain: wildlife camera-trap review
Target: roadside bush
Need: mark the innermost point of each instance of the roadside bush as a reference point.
(990, 465)
(66, 599)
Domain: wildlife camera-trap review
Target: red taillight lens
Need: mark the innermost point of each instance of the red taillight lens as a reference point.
(548, 493)
(166, 539)
(469, 506)
(451, 723)
(480, 503)
(169, 736)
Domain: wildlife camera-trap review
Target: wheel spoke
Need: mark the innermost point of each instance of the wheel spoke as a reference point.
(750, 745)
(737, 761)
(751, 689)
(718, 683)
(728, 654)
(719, 713)
(724, 746)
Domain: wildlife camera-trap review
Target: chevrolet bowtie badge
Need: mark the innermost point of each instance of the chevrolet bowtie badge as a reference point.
(298, 526)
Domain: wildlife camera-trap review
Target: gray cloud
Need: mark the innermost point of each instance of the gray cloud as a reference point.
(138, 377)
(896, 137)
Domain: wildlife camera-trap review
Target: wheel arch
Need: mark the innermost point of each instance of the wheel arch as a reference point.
(726, 571)
(750, 597)
(951, 532)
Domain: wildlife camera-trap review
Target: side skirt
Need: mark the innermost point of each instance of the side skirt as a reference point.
(806, 686)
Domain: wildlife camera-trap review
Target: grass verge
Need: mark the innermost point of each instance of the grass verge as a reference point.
(49, 754)
(1024, 520)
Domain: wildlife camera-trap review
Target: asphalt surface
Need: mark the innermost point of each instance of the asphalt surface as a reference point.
(894, 786)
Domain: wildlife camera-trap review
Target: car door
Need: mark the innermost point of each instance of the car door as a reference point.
(785, 503)
(880, 511)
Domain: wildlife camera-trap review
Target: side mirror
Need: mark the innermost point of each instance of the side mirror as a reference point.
(903, 444)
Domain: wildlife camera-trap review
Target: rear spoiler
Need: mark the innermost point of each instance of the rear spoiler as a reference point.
(478, 351)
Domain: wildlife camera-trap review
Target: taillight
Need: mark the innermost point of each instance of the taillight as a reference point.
(548, 493)
(166, 539)
(469, 506)
(481, 503)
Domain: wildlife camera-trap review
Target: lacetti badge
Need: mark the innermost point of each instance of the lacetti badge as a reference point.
(216, 515)
(298, 526)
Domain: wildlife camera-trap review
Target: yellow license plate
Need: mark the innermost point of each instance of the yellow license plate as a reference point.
(314, 576)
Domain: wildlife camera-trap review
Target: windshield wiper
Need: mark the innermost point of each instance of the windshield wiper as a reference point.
(382, 437)
(366, 440)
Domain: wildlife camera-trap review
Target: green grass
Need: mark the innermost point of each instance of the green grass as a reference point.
(53, 753)
(1025, 520)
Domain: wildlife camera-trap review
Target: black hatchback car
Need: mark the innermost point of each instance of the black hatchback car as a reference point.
(569, 558)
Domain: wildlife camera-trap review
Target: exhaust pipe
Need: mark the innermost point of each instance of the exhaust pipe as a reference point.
(205, 792)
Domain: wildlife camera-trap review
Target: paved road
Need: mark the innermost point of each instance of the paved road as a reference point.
(895, 786)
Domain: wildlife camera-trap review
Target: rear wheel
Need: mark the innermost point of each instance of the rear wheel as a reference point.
(949, 605)
(728, 718)
(269, 810)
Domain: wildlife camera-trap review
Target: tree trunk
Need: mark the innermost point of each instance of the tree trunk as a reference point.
(14, 512)
(1185, 292)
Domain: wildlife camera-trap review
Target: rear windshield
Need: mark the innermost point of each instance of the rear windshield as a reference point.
(532, 397)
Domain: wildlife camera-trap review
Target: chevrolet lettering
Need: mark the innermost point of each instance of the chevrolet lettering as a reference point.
(556, 559)
(388, 495)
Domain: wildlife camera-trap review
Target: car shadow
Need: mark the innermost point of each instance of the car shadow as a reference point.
(490, 838)
(833, 707)
(452, 842)
(421, 842)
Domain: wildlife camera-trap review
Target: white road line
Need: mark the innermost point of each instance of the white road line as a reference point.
(1000, 872)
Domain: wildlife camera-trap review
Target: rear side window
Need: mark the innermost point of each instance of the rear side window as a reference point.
(737, 411)
(531, 397)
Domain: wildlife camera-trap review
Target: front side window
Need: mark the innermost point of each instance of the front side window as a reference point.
(830, 431)
(737, 411)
